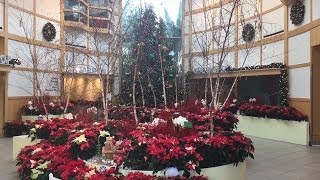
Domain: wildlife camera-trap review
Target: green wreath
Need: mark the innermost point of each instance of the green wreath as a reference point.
(297, 12)
(248, 32)
(49, 31)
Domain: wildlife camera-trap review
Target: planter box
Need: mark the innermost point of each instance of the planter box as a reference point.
(275, 129)
(226, 172)
(19, 142)
(34, 118)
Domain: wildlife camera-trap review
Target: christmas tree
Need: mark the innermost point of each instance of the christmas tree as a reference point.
(150, 50)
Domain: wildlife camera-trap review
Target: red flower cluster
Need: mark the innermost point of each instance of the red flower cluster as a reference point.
(275, 112)
(192, 151)
(16, 128)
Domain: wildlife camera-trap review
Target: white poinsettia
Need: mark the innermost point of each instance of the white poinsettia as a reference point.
(81, 139)
(44, 165)
(179, 121)
(33, 130)
(39, 170)
(30, 103)
(104, 134)
(35, 173)
(156, 121)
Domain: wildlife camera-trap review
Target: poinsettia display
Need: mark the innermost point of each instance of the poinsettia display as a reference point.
(16, 128)
(159, 142)
(36, 108)
(189, 151)
(274, 112)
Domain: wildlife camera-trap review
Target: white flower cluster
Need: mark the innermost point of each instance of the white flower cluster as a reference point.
(81, 139)
(30, 105)
(157, 121)
(252, 100)
(92, 110)
(180, 121)
(203, 102)
(104, 134)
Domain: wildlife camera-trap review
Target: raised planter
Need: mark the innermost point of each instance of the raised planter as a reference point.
(275, 129)
(34, 118)
(19, 142)
(226, 172)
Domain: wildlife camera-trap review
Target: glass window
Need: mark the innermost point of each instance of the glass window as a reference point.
(71, 16)
(72, 5)
(83, 8)
(98, 3)
(103, 13)
(99, 23)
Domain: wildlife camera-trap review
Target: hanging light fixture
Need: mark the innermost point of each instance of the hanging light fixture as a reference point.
(287, 2)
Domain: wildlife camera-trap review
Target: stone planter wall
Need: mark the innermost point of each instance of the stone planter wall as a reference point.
(275, 129)
(226, 172)
(34, 118)
(19, 142)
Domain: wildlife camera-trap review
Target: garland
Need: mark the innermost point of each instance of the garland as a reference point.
(284, 85)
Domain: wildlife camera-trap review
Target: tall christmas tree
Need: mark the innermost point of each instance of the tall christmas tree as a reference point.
(150, 53)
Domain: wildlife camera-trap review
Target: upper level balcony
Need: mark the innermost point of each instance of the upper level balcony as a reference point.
(94, 14)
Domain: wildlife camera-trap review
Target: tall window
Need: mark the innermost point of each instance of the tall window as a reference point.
(75, 11)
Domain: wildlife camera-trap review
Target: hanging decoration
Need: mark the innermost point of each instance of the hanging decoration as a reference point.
(248, 32)
(49, 32)
(297, 12)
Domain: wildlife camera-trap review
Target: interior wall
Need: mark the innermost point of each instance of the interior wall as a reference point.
(1, 16)
(83, 87)
(14, 106)
(316, 96)
(2, 102)
(292, 46)
(315, 54)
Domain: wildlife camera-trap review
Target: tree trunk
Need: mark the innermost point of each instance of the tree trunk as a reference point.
(134, 95)
(163, 80)
(142, 91)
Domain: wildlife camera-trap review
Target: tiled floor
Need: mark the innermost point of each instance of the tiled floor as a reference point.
(282, 161)
(273, 161)
(8, 170)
